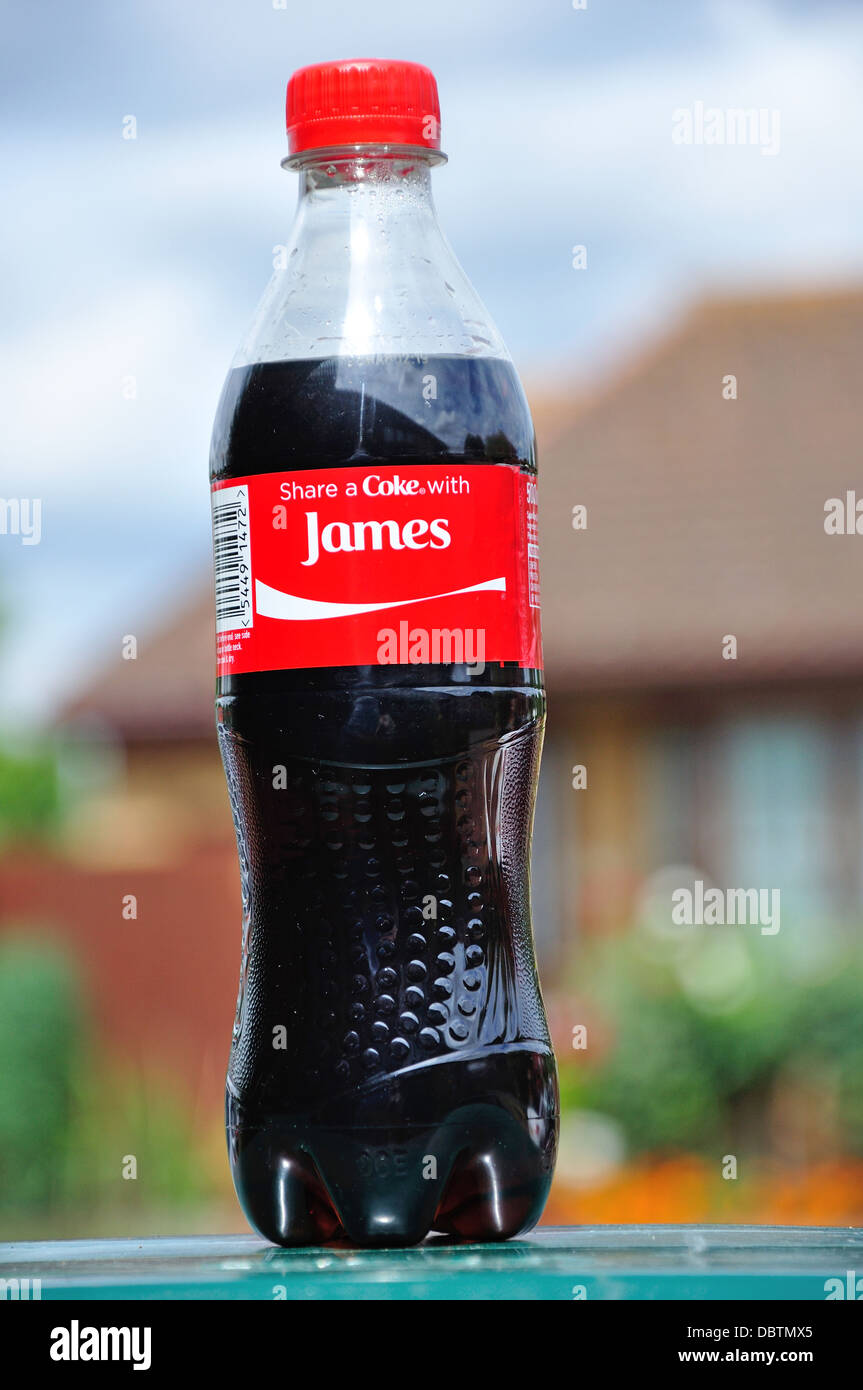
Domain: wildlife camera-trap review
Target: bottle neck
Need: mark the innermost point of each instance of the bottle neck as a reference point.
(365, 164)
(366, 268)
(378, 191)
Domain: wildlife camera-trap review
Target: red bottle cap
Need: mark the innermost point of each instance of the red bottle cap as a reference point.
(362, 101)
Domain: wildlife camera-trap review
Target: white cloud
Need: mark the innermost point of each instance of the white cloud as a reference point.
(71, 434)
(145, 258)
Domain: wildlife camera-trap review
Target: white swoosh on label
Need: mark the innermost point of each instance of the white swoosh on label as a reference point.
(272, 603)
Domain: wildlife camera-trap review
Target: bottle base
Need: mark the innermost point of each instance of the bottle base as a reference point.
(482, 1173)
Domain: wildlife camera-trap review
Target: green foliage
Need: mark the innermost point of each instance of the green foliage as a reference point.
(830, 1033)
(29, 795)
(68, 1118)
(120, 1114)
(40, 1037)
(655, 1080)
(678, 1062)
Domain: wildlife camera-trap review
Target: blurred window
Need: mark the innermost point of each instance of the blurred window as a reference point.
(670, 770)
(777, 799)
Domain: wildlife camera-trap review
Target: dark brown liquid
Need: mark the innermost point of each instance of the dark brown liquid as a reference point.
(391, 1072)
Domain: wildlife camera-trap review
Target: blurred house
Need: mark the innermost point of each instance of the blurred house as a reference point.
(706, 522)
(704, 653)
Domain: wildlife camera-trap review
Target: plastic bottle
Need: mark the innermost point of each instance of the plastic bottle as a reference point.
(380, 708)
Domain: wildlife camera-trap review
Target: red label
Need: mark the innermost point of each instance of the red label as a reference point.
(380, 564)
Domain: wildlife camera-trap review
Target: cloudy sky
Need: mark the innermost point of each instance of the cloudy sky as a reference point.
(144, 258)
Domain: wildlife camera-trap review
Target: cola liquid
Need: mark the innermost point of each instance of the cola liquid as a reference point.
(391, 1073)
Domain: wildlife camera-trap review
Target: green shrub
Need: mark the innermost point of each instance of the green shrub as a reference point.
(40, 1043)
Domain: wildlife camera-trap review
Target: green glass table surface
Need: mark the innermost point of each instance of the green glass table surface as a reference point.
(592, 1262)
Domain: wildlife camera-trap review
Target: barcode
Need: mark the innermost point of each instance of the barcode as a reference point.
(233, 557)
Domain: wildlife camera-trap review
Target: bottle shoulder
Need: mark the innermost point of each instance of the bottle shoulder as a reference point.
(367, 270)
(299, 414)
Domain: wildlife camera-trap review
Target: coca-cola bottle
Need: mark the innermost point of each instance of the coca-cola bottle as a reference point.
(380, 708)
